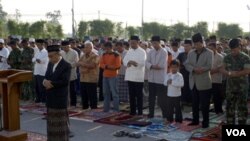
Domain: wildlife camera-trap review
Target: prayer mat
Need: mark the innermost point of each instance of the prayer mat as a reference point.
(137, 123)
(93, 115)
(212, 115)
(213, 134)
(30, 106)
(219, 119)
(118, 119)
(176, 135)
(184, 126)
(36, 137)
(70, 112)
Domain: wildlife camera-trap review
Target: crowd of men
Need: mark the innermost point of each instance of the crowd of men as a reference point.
(193, 71)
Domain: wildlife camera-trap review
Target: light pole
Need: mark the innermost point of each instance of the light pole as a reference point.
(248, 8)
(73, 20)
(142, 18)
(188, 12)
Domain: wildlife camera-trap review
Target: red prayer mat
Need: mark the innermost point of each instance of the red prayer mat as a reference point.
(119, 119)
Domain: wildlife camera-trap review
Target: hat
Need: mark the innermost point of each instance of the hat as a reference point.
(108, 44)
(156, 38)
(188, 41)
(53, 48)
(24, 41)
(81, 47)
(174, 44)
(40, 41)
(234, 43)
(12, 42)
(2, 41)
(134, 37)
(32, 40)
(65, 43)
(197, 38)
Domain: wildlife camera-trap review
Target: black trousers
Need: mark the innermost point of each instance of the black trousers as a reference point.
(89, 95)
(186, 94)
(101, 98)
(40, 89)
(174, 106)
(72, 91)
(135, 97)
(201, 97)
(159, 91)
(217, 97)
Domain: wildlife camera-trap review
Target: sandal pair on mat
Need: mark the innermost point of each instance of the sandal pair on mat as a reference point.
(123, 133)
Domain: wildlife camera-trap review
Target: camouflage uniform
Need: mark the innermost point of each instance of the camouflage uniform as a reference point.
(27, 64)
(237, 88)
(14, 58)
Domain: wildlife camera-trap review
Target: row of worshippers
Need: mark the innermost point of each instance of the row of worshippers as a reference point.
(135, 78)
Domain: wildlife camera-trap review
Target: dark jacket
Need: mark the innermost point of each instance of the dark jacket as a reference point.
(57, 97)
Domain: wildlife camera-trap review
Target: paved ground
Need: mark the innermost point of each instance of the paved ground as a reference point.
(86, 131)
(83, 131)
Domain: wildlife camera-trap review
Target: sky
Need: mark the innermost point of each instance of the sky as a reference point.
(129, 12)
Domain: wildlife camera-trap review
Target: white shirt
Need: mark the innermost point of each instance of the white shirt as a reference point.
(4, 53)
(36, 49)
(72, 58)
(40, 68)
(56, 64)
(174, 54)
(174, 89)
(157, 57)
(135, 74)
(218, 62)
(181, 49)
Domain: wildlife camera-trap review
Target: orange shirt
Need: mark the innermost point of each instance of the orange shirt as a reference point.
(110, 63)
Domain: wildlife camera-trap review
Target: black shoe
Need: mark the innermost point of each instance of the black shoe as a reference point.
(150, 116)
(193, 123)
(205, 125)
(71, 134)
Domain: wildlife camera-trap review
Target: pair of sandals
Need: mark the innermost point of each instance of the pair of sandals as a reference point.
(123, 133)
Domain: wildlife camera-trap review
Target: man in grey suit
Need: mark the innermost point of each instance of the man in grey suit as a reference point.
(199, 64)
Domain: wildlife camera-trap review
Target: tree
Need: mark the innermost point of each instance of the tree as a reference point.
(154, 28)
(180, 30)
(150, 29)
(101, 28)
(118, 30)
(83, 29)
(132, 30)
(13, 27)
(3, 27)
(228, 30)
(24, 29)
(37, 29)
(2, 13)
(201, 27)
(54, 16)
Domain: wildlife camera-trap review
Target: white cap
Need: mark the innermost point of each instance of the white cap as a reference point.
(2, 41)
(32, 40)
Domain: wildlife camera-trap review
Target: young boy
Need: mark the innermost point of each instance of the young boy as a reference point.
(174, 81)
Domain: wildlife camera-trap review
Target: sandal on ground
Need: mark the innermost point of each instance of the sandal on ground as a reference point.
(121, 133)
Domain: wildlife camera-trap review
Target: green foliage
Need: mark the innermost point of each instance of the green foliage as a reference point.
(101, 28)
(82, 29)
(54, 16)
(201, 27)
(13, 27)
(228, 30)
(132, 30)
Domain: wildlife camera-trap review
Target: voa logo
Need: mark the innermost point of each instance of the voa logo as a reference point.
(236, 132)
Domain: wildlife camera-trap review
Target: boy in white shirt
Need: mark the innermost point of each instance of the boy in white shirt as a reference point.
(174, 81)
